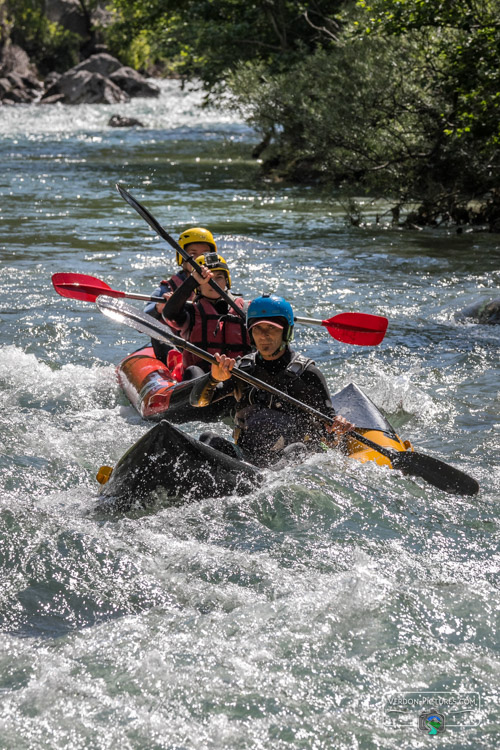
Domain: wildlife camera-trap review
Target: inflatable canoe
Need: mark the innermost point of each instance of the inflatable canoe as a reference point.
(167, 462)
(152, 388)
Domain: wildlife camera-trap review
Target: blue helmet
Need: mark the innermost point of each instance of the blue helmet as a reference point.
(271, 307)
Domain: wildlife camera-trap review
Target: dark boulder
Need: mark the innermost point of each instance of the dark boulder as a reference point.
(487, 313)
(14, 59)
(101, 79)
(52, 99)
(84, 87)
(19, 82)
(5, 87)
(133, 83)
(17, 96)
(118, 121)
(51, 79)
(102, 63)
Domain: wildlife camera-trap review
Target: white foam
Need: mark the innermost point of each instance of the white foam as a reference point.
(173, 109)
(23, 375)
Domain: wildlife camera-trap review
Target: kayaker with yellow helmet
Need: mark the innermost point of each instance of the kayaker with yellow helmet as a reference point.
(195, 241)
(265, 427)
(207, 321)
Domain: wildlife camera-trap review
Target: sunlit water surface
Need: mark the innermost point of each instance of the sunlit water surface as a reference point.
(284, 619)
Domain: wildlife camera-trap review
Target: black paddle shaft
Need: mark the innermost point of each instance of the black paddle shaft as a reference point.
(175, 245)
(434, 471)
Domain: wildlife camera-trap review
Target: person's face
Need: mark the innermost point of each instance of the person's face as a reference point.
(194, 250)
(220, 279)
(267, 339)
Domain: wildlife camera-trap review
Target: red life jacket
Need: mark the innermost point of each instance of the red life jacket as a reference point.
(226, 334)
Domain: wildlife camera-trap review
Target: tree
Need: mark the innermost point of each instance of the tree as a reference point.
(207, 38)
(49, 45)
(460, 66)
(404, 104)
(466, 37)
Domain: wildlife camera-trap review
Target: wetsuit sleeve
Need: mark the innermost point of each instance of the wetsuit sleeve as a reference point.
(208, 390)
(175, 308)
(318, 395)
(150, 308)
(320, 399)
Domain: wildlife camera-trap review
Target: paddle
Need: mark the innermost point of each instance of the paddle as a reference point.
(361, 329)
(434, 471)
(349, 328)
(159, 230)
(88, 288)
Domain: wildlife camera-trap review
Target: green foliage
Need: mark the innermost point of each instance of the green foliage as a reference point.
(208, 38)
(49, 45)
(399, 97)
(465, 36)
(405, 106)
(344, 116)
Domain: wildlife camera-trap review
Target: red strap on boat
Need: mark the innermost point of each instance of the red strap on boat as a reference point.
(174, 364)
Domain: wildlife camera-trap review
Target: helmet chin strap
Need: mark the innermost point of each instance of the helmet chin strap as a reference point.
(280, 348)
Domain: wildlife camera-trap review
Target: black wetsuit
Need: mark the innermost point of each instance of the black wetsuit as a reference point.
(265, 426)
(160, 348)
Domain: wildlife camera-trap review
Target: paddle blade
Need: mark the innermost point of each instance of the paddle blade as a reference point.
(360, 329)
(82, 287)
(122, 312)
(436, 472)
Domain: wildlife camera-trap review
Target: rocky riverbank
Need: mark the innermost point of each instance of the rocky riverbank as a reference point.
(100, 79)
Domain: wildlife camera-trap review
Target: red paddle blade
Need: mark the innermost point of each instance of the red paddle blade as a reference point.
(83, 287)
(357, 328)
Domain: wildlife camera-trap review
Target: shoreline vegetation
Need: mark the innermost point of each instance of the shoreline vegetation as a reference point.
(393, 99)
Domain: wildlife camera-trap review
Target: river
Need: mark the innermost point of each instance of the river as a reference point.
(302, 615)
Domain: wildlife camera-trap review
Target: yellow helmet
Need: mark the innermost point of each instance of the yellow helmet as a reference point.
(215, 263)
(195, 234)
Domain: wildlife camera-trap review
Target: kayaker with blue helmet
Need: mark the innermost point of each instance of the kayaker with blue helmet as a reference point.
(265, 427)
(195, 241)
(208, 321)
